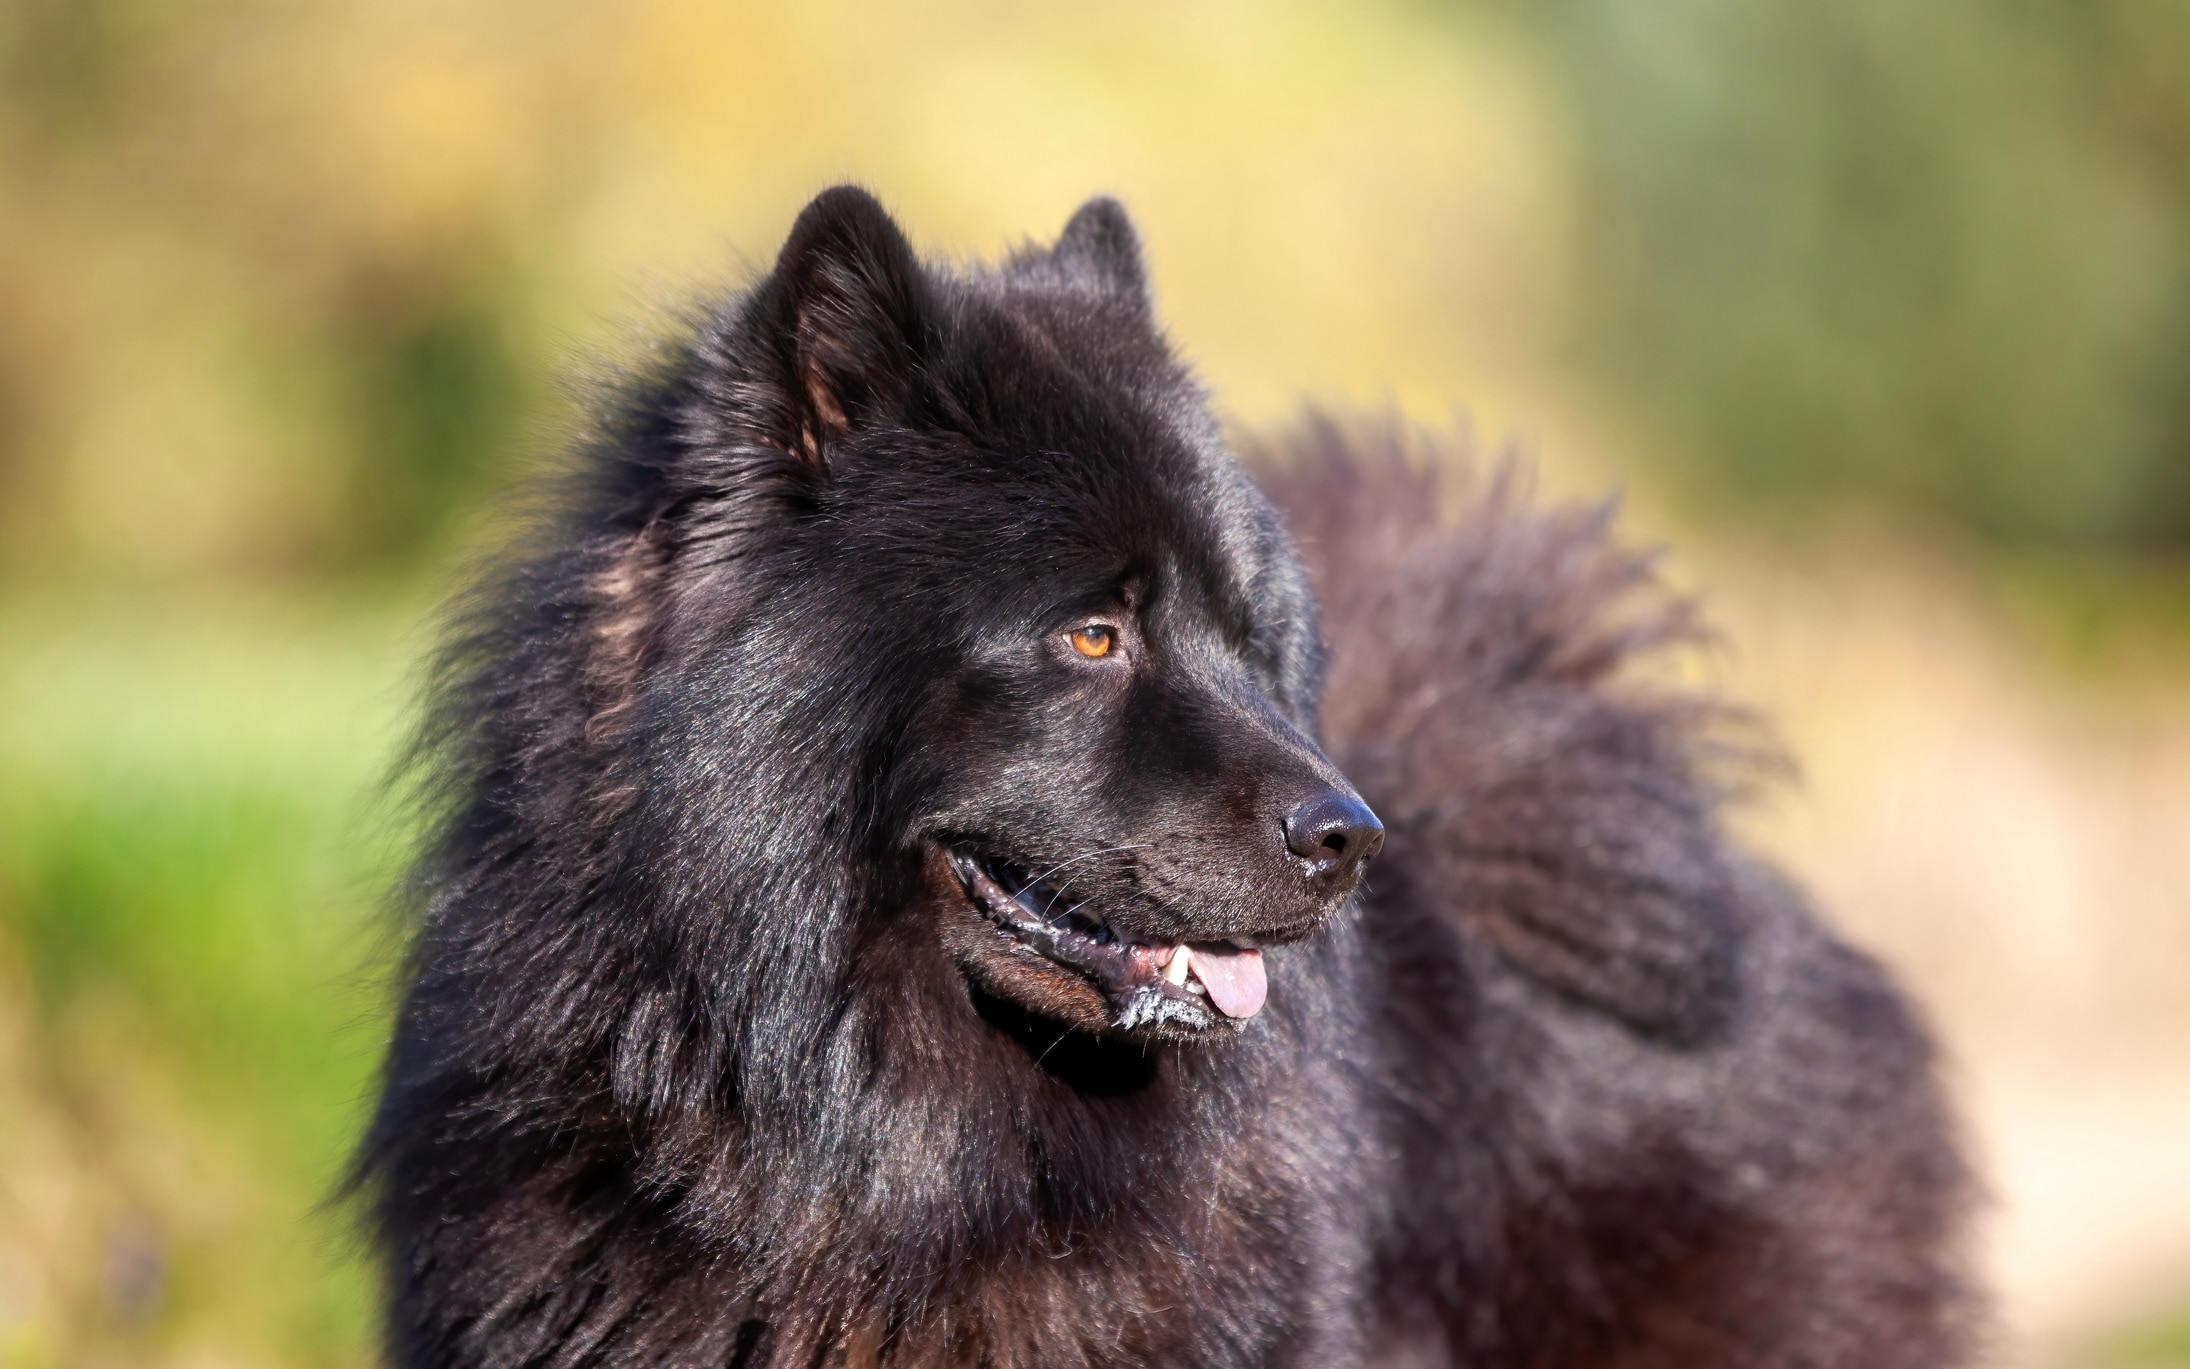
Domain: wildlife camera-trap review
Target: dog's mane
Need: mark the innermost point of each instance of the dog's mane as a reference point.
(1479, 690)
(574, 1023)
(622, 1022)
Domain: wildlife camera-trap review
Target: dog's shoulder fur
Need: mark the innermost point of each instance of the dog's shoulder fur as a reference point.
(1686, 1098)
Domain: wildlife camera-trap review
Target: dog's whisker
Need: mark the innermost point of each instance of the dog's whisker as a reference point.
(1089, 855)
(1066, 887)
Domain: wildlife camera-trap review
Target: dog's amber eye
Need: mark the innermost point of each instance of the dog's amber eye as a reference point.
(1094, 641)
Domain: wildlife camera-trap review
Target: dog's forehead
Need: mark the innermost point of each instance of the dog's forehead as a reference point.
(1124, 421)
(1068, 446)
(1153, 497)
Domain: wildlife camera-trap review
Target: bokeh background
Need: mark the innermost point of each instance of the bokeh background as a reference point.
(1878, 313)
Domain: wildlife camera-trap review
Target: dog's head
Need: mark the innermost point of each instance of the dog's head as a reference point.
(1023, 595)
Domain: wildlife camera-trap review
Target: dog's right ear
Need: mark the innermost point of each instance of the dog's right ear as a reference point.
(1099, 249)
(846, 313)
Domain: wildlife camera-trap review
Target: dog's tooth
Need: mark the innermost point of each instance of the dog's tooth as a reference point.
(1181, 961)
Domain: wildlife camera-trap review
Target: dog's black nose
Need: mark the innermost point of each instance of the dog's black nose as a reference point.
(1335, 833)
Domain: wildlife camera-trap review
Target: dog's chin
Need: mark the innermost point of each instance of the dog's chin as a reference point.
(1019, 941)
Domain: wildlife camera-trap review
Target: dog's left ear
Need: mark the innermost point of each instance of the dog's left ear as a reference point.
(846, 308)
(1100, 251)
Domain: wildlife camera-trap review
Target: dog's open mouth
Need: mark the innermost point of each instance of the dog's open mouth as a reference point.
(1146, 982)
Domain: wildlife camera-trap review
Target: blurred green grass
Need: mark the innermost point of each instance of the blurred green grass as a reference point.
(2165, 1346)
(1931, 255)
(192, 871)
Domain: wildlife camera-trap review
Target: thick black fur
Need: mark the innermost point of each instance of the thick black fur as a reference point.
(703, 1062)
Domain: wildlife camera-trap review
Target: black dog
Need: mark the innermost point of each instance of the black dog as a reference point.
(890, 906)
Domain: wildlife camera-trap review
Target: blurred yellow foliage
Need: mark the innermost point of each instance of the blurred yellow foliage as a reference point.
(1351, 208)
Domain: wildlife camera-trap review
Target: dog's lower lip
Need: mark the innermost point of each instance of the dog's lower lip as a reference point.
(1146, 981)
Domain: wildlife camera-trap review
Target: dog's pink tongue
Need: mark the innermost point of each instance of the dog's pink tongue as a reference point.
(1234, 979)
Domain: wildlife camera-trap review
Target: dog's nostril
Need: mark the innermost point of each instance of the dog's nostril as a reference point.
(1334, 832)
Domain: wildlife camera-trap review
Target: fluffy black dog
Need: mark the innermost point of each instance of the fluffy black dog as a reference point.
(890, 906)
